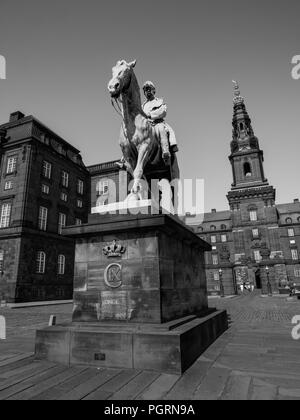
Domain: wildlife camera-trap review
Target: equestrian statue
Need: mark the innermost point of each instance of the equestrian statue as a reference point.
(147, 142)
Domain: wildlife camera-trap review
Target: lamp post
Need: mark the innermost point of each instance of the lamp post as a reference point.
(269, 287)
(221, 283)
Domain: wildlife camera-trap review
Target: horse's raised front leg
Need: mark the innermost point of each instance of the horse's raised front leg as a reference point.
(143, 153)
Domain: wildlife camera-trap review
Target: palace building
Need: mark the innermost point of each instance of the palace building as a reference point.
(256, 242)
(44, 186)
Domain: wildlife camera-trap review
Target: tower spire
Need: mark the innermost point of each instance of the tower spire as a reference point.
(242, 128)
(246, 156)
(238, 99)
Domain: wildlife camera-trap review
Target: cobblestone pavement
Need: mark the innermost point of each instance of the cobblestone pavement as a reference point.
(256, 359)
(21, 324)
(253, 308)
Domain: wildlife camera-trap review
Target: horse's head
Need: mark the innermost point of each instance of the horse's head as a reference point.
(121, 78)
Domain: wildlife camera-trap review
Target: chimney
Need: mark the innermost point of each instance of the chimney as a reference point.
(214, 210)
(16, 116)
(296, 200)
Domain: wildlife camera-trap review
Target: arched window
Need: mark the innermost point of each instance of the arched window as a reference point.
(253, 215)
(61, 264)
(288, 221)
(223, 227)
(298, 219)
(241, 126)
(213, 227)
(247, 169)
(40, 262)
(200, 229)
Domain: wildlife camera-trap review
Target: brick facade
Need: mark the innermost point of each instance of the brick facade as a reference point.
(25, 145)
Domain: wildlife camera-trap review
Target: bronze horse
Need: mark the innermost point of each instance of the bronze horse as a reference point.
(138, 141)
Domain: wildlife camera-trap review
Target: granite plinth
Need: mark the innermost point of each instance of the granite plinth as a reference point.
(171, 348)
(161, 271)
(140, 297)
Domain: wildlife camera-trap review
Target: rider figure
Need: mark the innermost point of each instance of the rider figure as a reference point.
(156, 111)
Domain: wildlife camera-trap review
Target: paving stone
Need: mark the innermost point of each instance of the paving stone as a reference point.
(237, 388)
(263, 391)
(212, 386)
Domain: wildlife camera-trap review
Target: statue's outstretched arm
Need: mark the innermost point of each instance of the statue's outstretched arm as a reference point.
(159, 113)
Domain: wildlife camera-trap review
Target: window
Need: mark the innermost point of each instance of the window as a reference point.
(255, 233)
(45, 189)
(65, 179)
(215, 259)
(80, 186)
(78, 222)
(294, 254)
(238, 257)
(223, 238)
(61, 265)
(79, 204)
(8, 185)
(247, 169)
(213, 227)
(62, 218)
(288, 221)
(253, 215)
(291, 233)
(213, 239)
(11, 165)
(223, 227)
(43, 216)
(64, 197)
(47, 169)
(40, 262)
(102, 187)
(297, 272)
(257, 256)
(216, 276)
(1, 261)
(5, 215)
(298, 219)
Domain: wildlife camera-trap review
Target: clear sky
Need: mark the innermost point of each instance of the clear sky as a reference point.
(60, 54)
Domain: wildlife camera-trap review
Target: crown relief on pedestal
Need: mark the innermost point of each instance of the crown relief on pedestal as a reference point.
(114, 250)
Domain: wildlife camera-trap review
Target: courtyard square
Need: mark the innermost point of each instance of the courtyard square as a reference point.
(255, 359)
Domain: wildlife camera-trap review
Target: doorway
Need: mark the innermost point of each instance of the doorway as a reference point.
(258, 279)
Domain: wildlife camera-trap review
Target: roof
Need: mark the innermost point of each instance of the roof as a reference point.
(104, 167)
(288, 208)
(31, 118)
(219, 216)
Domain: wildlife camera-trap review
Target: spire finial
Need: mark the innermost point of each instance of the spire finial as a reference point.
(238, 99)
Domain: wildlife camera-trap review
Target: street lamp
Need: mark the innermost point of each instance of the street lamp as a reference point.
(269, 287)
(221, 283)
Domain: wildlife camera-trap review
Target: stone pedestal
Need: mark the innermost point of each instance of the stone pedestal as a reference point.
(140, 298)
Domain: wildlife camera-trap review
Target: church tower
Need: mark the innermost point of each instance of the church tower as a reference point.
(247, 159)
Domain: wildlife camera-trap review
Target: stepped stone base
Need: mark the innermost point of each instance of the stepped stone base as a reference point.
(171, 347)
